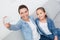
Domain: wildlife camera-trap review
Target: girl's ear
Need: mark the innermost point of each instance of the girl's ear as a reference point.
(45, 13)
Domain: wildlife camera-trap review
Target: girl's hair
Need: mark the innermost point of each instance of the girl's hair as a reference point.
(41, 8)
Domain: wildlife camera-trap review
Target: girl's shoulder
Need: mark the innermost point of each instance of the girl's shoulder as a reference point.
(49, 20)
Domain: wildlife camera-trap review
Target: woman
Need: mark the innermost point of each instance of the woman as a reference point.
(46, 25)
(26, 24)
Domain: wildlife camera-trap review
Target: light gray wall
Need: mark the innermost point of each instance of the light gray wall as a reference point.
(10, 8)
(15, 35)
(53, 11)
(52, 8)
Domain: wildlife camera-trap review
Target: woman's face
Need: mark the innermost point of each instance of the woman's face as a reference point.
(24, 13)
(40, 14)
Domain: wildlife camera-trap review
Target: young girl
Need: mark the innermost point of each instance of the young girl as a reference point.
(46, 26)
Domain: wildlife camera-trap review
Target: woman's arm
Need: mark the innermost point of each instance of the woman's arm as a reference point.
(11, 27)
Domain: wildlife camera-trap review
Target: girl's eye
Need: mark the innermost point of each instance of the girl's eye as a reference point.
(40, 13)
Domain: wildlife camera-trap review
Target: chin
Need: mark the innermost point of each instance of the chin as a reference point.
(25, 17)
(41, 18)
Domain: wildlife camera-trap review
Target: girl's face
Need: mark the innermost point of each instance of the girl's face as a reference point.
(40, 14)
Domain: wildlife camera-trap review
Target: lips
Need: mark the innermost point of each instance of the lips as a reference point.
(25, 16)
(40, 16)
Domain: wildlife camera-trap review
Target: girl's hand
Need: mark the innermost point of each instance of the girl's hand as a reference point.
(56, 38)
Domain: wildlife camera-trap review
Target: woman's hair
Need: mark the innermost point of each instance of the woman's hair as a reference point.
(41, 8)
(22, 6)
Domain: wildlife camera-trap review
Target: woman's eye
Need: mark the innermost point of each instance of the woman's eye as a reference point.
(25, 11)
(37, 14)
(21, 13)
